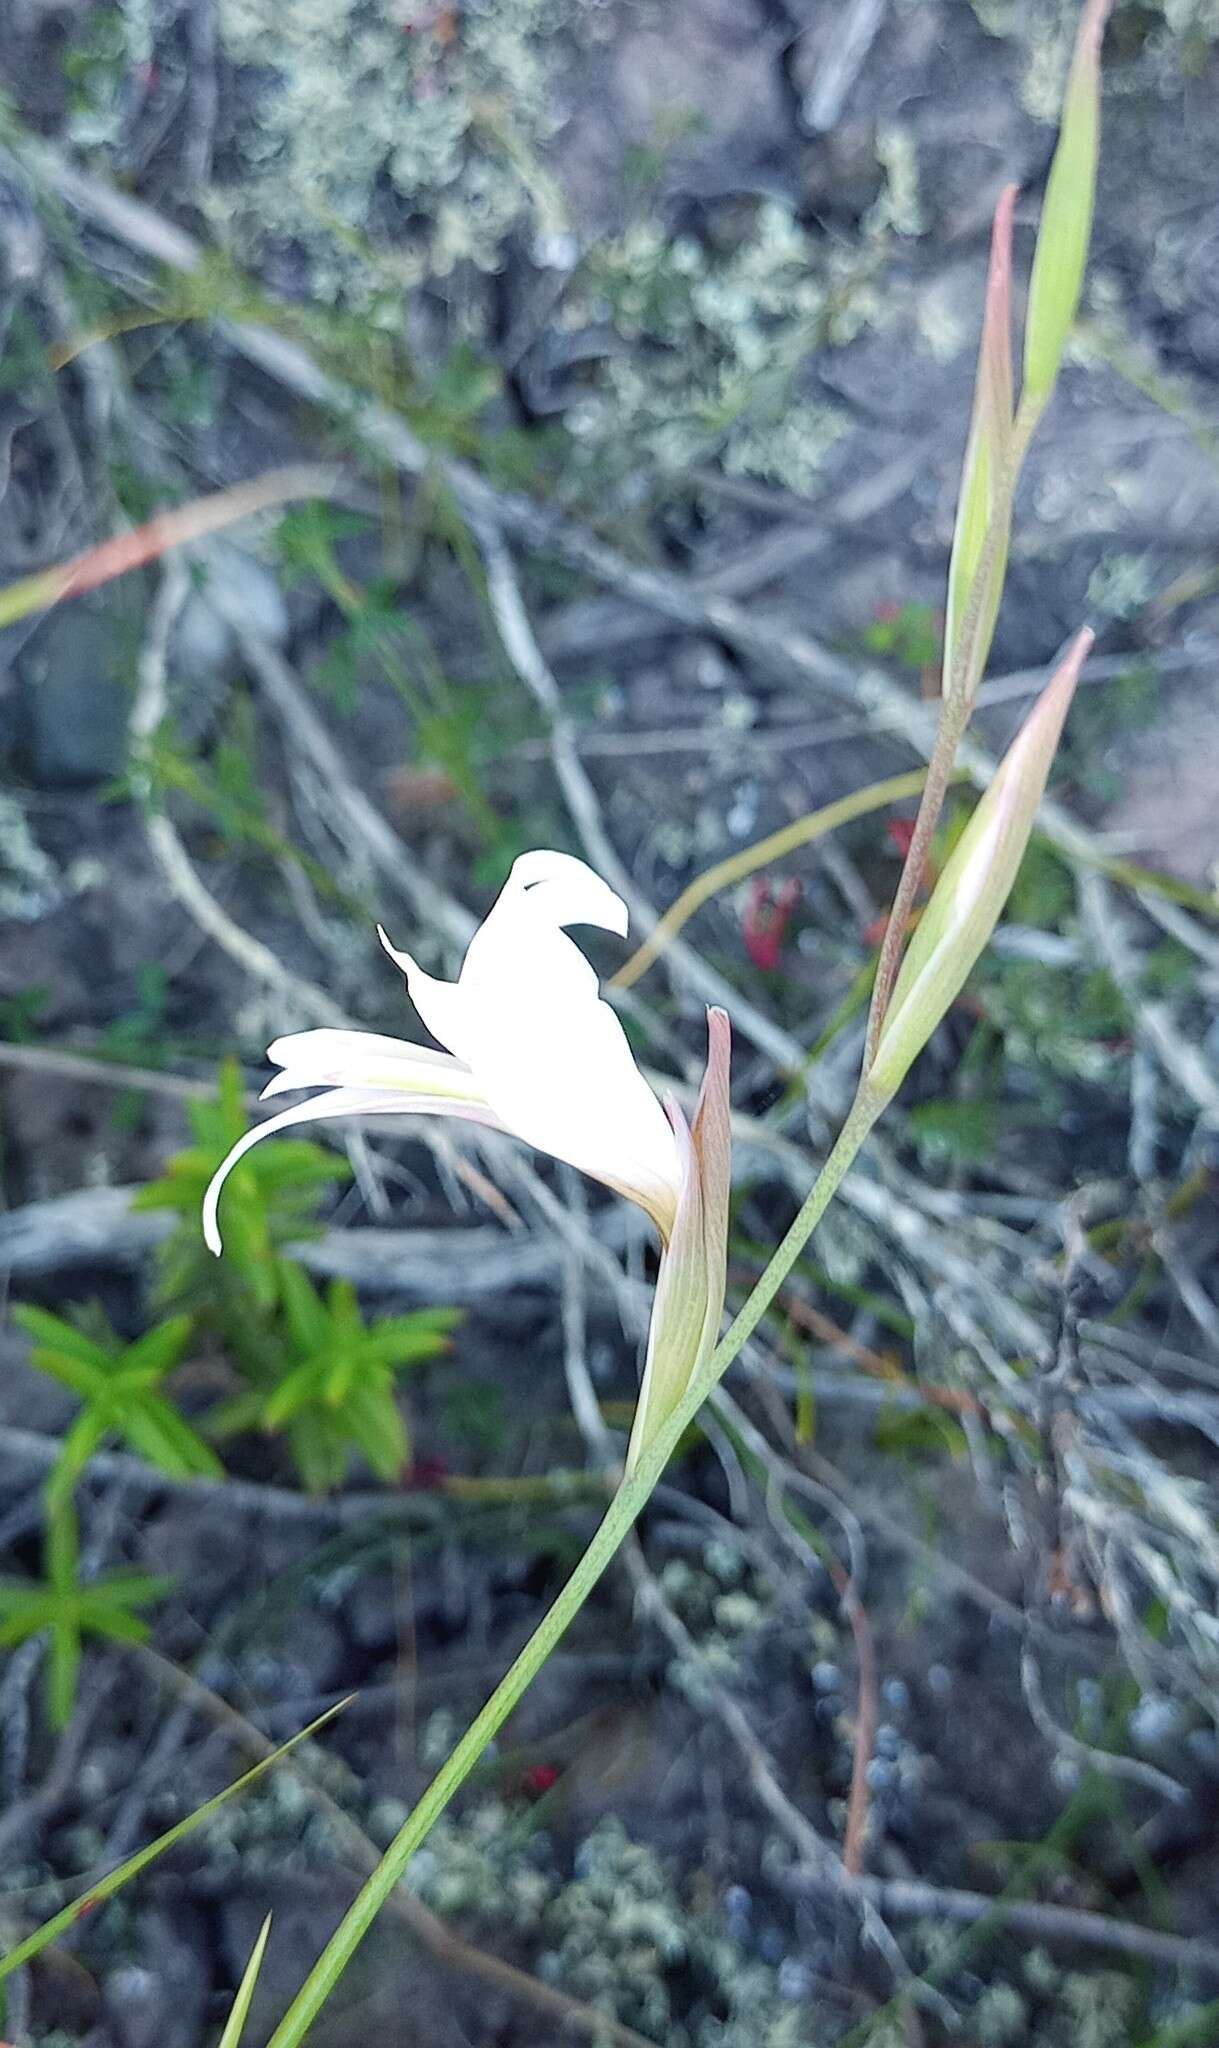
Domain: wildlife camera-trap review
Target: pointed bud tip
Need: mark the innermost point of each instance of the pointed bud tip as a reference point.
(1060, 689)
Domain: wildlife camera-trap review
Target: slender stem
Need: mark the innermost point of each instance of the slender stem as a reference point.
(624, 1510)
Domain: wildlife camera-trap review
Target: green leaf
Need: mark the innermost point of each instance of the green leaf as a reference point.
(304, 1308)
(156, 1430)
(160, 1349)
(231, 2037)
(64, 1339)
(78, 1446)
(113, 1882)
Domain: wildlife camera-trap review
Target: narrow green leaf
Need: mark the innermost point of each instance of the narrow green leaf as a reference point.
(304, 1308)
(76, 1450)
(161, 1436)
(231, 2037)
(58, 1336)
(159, 1350)
(1066, 217)
(114, 1881)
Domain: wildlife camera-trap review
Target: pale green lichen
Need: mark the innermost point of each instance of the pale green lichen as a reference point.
(1121, 584)
(30, 884)
(434, 119)
(1000, 2017)
(1097, 2011)
(618, 1933)
(707, 344)
(898, 205)
(116, 43)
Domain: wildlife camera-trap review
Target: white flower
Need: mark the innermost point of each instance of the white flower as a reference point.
(532, 1049)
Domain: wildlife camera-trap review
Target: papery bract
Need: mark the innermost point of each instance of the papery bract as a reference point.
(693, 1272)
(975, 884)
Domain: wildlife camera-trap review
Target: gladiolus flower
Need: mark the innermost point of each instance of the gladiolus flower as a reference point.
(534, 1051)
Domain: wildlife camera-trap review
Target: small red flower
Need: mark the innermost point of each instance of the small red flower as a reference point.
(901, 832)
(766, 920)
(540, 1778)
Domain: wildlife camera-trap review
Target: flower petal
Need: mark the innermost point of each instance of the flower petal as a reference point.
(561, 1074)
(334, 1102)
(365, 1059)
(550, 1057)
(439, 1003)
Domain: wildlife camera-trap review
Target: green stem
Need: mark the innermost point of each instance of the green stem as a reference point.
(624, 1510)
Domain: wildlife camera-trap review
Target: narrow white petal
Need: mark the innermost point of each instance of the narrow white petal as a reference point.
(327, 1048)
(439, 1003)
(333, 1103)
(364, 1059)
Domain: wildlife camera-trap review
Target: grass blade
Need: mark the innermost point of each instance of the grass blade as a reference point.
(245, 1991)
(107, 1886)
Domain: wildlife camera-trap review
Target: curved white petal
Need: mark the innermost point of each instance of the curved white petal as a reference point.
(365, 1059)
(439, 1003)
(549, 1056)
(334, 1102)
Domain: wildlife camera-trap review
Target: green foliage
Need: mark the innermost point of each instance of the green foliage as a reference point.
(119, 1386)
(327, 1379)
(909, 634)
(920, 1434)
(1067, 1022)
(234, 2026)
(1127, 705)
(966, 1132)
(68, 1610)
(226, 791)
(20, 1013)
(314, 1370)
(269, 1202)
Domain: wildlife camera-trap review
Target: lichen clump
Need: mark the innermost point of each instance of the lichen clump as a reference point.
(704, 344)
(617, 1933)
(398, 139)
